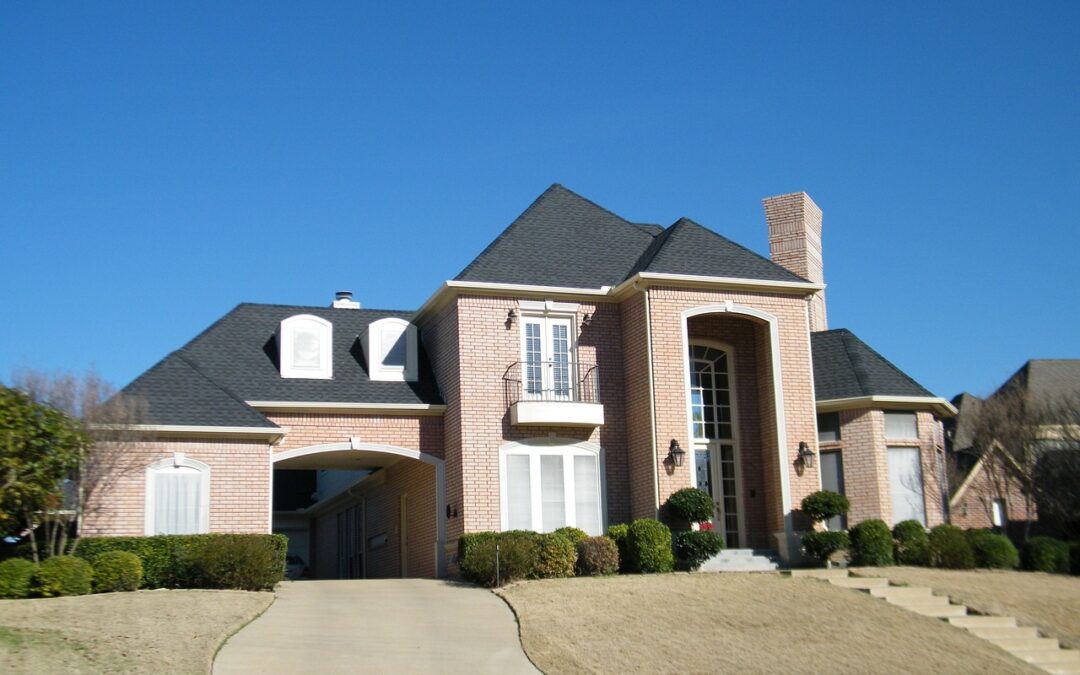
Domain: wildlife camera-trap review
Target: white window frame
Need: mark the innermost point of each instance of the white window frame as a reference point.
(922, 479)
(567, 449)
(377, 346)
(286, 342)
(178, 460)
(548, 313)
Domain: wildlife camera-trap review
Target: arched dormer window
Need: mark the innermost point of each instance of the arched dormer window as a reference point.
(391, 350)
(305, 343)
(177, 496)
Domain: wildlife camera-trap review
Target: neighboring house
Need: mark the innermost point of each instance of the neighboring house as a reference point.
(577, 372)
(988, 491)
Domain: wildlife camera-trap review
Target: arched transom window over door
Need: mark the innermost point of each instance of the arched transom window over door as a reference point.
(715, 453)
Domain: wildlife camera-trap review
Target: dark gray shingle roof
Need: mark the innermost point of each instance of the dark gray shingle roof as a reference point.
(1048, 379)
(206, 381)
(846, 367)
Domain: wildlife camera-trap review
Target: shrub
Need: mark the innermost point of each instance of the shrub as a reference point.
(573, 534)
(240, 562)
(517, 554)
(468, 546)
(15, 577)
(649, 546)
(620, 534)
(117, 571)
(992, 550)
(597, 556)
(949, 548)
(63, 575)
(912, 544)
(871, 544)
(823, 504)
(688, 505)
(694, 548)
(821, 545)
(556, 557)
(1045, 554)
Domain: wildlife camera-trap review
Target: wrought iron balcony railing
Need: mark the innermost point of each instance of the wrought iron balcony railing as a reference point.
(554, 381)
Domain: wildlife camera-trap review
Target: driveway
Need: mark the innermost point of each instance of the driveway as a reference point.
(391, 625)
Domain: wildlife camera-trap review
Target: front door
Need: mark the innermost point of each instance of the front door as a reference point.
(715, 449)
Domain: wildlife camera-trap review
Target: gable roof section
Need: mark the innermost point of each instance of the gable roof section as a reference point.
(846, 367)
(1048, 378)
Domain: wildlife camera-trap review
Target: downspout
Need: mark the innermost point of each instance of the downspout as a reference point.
(652, 404)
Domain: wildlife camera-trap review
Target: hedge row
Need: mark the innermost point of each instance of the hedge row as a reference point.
(67, 575)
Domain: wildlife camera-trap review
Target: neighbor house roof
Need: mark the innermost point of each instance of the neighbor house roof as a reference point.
(845, 367)
(208, 380)
(565, 240)
(1048, 378)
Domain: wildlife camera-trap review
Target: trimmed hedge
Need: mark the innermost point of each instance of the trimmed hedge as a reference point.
(1045, 554)
(173, 560)
(16, 574)
(63, 575)
(575, 535)
(871, 544)
(649, 546)
(240, 562)
(556, 556)
(993, 550)
(620, 534)
(116, 571)
(821, 545)
(517, 555)
(824, 504)
(689, 505)
(949, 548)
(597, 556)
(911, 543)
(693, 548)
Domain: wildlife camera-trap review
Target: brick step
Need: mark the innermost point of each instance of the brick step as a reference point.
(1048, 656)
(936, 609)
(998, 633)
(901, 592)
(1025, 644)
(863, 583)
(983, 621)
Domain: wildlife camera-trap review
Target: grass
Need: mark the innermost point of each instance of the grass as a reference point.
(725, 623)
(1049, 601)
(146, 631)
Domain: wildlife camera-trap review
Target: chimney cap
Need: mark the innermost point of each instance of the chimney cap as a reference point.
(343, 300)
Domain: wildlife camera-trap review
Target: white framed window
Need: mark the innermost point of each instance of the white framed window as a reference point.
(305, 347)
(906, 485)
(547, 484)
(901, 424)
(391, 350)
(997, 513)
(177, 496)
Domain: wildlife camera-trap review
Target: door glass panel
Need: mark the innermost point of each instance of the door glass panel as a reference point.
(534, 378)
(905, 483)
(560, 359)
(730, 492)
(518, 493)
(552, 493)
(704, 471)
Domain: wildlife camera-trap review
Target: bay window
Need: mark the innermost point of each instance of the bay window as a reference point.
(545, 487)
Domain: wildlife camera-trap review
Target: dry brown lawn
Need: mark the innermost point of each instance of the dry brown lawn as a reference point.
(1049, 601)
(141, 632)
(700, 623)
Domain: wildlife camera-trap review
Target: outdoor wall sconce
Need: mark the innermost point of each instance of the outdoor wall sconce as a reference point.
(587, 321)
(806, 455)
(676, 454)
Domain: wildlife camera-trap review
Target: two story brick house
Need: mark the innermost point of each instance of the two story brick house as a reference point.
(581, 369)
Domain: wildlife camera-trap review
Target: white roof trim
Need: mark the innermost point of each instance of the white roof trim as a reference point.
(317, 406)
(968, 479)
(656, 278)
(937, 404)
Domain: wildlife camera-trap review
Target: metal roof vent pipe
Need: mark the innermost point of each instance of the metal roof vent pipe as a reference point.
(343, 300)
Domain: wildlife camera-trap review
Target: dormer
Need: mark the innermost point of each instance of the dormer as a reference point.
(305, 348)
(391, 350)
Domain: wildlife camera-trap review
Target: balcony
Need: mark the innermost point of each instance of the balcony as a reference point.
(553, 393)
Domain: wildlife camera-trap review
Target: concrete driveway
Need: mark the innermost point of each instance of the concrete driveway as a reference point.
(385, 625)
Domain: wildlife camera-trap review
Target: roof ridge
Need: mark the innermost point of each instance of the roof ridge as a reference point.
(884, 360)
(736, 244)
(361, 309)
(651, 251)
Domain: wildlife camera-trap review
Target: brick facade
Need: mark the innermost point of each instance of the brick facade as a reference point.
(973, 507)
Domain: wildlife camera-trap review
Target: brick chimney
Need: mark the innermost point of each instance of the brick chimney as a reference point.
(795, 244)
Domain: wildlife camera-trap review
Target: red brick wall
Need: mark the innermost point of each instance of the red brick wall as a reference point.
(414, 432)
(641, 468)
(972, 509)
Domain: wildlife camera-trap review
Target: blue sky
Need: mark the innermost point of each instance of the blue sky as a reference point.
(162, 162)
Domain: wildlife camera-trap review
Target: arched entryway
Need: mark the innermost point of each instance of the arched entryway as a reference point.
(376, 511)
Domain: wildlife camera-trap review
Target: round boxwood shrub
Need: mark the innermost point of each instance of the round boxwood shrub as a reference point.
(993, 550)
(597, 556)
(574, 534)
(649, 546)
(689, 505)
(63, 575)
(871, 544)
(556, 556)
(912, 544)
(821, 545)
(117, 571)
(15, 577)
(823, 504)
(1045, 554)
(620, 534)
(692, 548)
(949, 548)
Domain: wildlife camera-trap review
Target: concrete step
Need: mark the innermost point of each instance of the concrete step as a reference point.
(863, 583)
(1048, 656)
(935, 609)
(983, 621)
(998, 633)
(736, 552)
(1061, 668)
(919, 601)
(1025, 644)
(835, 573)
(889, 592)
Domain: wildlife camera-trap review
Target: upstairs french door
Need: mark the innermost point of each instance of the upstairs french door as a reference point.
(715, 449)
(547, 358)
